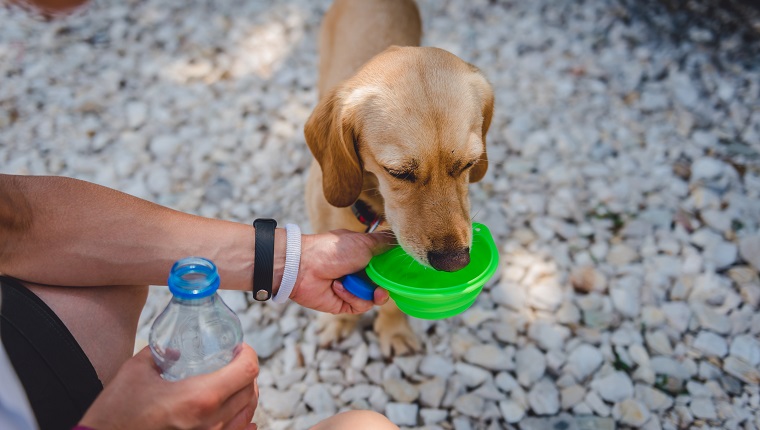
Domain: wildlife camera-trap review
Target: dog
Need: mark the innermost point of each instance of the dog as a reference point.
(399, 131)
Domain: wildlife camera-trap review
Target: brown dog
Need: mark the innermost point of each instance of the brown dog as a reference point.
(399, 131)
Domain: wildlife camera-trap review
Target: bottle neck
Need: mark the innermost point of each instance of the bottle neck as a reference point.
(194, 301)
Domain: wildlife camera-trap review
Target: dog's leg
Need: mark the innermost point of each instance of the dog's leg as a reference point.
(334, 328)
(394, 332)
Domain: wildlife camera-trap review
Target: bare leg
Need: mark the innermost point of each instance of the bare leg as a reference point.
(103, 320)
(351, 420)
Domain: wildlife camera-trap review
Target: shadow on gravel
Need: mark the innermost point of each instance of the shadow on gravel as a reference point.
(729, 29)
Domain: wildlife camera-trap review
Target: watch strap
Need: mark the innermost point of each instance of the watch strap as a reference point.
(263, 261)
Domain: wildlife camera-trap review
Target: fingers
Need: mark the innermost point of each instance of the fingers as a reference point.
(381, 296)
(239, 373)
(351, 303)
(238, 411)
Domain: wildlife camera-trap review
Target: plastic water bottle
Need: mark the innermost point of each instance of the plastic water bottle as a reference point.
(197, 333)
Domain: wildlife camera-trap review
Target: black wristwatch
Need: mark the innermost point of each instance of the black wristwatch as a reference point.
(263, 261)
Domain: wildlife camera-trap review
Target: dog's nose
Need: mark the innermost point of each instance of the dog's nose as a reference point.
(449, 261)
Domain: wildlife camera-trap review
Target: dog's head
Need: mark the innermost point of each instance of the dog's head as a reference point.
(416, 120)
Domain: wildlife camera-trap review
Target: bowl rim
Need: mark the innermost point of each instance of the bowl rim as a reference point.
(462, 289)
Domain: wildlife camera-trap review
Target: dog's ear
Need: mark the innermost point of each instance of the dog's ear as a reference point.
(485, 92)
(331, 134)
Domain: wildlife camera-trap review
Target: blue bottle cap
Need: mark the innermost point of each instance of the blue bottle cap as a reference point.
(193, 278)
(359, 285)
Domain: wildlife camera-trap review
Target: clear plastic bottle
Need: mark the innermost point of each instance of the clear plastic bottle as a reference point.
(197, 333)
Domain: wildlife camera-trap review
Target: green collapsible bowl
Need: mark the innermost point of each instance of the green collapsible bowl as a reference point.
(423, 292)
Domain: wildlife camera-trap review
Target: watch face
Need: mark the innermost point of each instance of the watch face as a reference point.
(262, 295)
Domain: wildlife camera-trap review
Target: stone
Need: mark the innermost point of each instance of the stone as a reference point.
(711, 344)
(530, 365)
(721, 254)
(631, 412)
(356, 392)
(652, 317)
(741, 370)
(164, 146)
(670, 367)
(509, 294)
(489, 356)
(568, 314)
(585, 279)
(750, 294)
(402, 414)
(360, 356)
(678, 315)
(543, 398)
(475, 316)
(545, 296)
(653, 399)
(280, 404)
(749, 249)
(506, 382)
(659, 343)
(626, 298)
(265, 341)
(571, 396)
(710, 319)
(318, 398)
(615, 387)
(408, 365)
(470, 405)
(746, 348)
(400, 390)
(436, 365)
(716, 219)
(512, 412)
(596, 404)
(433, 416)
(431, 392)
(621, 255)
(703, 408)
(136, 113)
(547, 335)
(566, 421)
(471, 376)
(583, 361)
(710, 172)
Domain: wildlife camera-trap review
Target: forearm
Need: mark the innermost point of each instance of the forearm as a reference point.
(62, 231)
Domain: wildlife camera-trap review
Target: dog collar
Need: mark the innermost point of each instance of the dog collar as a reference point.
(366, 215)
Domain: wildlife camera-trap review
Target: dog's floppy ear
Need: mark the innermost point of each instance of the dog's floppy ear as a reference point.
(331, 135)
(485, 92)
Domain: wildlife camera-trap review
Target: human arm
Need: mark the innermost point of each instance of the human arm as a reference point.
(67, 232)
(138, 398)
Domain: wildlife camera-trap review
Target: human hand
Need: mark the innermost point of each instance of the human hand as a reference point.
(138, 398)
(329, 256)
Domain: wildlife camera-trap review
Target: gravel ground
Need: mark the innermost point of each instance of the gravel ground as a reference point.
(622, 190)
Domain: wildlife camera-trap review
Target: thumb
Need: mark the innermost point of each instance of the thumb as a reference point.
(144, 355)
(381, 241)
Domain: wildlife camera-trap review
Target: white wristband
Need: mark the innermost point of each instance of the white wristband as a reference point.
(292, 263)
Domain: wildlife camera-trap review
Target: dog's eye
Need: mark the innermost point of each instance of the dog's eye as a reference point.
(403, 175)
(467, 166)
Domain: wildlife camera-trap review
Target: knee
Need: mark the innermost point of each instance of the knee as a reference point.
(350, 420)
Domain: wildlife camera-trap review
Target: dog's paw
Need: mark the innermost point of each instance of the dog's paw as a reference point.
(395, 335)
(334, 328)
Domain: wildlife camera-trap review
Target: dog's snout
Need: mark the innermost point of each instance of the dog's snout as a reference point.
(449, 261)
